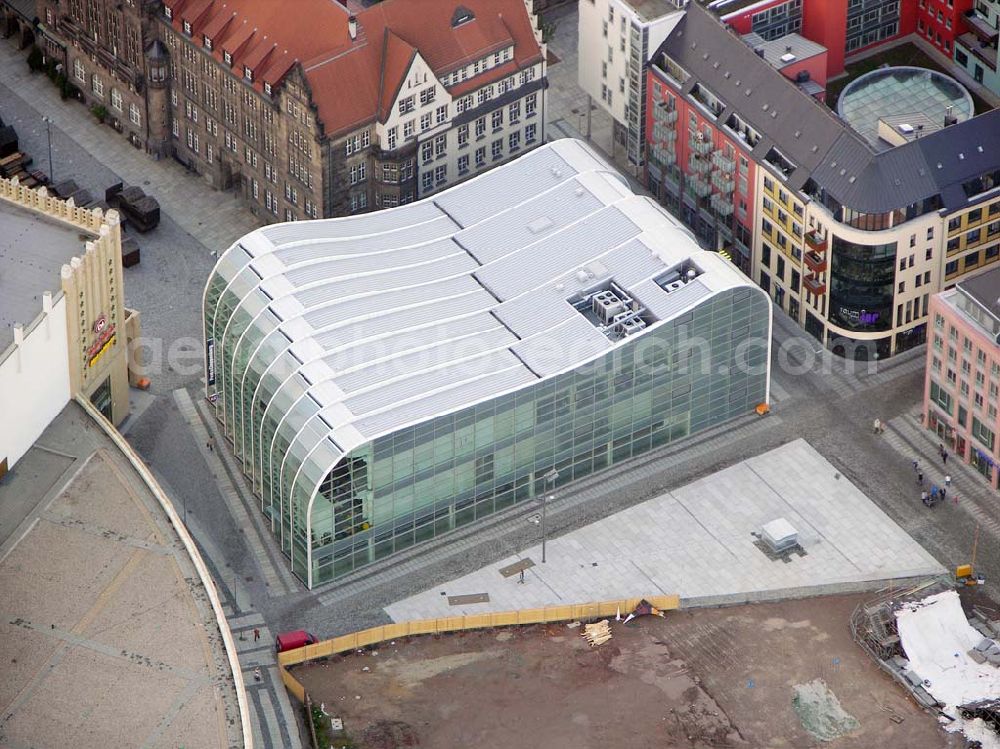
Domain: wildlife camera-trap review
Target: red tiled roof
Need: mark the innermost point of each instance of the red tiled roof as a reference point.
(355, 81)
(397, 56)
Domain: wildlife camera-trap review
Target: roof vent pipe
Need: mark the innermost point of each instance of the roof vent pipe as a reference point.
(352, 27)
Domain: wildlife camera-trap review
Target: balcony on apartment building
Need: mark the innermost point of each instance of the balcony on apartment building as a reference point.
(814, 284)
(982, 50)
(723, 182)
(816, 242)
(815, 262)
(981, 26)
(665, 113)
(698, 187)
(722, 205)
(700, 144)
(722, 162)
(699, 166)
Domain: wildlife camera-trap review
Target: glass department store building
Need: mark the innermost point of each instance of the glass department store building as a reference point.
(389, 377)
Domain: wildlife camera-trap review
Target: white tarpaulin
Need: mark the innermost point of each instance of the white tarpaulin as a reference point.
(937, 638)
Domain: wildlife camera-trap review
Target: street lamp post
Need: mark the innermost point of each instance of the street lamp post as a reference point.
(550, 480)
(48, 135)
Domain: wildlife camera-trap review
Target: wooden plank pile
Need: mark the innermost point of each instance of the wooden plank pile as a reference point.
(597, 633)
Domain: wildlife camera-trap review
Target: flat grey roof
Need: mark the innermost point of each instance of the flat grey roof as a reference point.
(985, 289)
(650, 10)
(33, 249)
(776, 50)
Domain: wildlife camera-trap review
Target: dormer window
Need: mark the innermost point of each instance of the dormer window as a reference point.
(247, 73)
(461, 15)
(228, 58)
(187, 28)
(208, 42)
(168, 11)
(267, 88)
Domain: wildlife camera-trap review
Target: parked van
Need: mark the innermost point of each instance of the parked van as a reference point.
(295, 639)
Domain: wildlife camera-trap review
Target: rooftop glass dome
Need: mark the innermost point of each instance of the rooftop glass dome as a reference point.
(897, 91)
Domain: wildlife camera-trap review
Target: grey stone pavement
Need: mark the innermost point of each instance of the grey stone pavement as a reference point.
(816, 397)
(698, 541)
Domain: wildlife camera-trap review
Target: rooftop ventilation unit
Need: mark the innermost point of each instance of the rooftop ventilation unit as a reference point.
(607, 305)
(905, 128)
(627, 323)
(787, 57)
(779, 535)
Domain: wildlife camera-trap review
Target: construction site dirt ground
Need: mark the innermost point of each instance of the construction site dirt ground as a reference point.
(696, 678)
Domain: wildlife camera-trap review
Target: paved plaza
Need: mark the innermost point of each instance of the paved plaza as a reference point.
(107, 637)
(698, 541)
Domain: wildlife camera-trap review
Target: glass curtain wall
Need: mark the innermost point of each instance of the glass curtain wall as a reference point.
(333, 513)
(698, 371)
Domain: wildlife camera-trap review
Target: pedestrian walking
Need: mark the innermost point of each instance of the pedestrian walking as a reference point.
(944, 493)
(256, 634)
(920, 477)
(521, 578)
(209, 446)
(940, 448)
(944, 457)
(947, 480)
(915, 463)
(877, 427)
(923, 497)
(256, 673)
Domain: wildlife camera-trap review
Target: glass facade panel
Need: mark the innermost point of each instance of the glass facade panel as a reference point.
(862, 279)
(421, 481)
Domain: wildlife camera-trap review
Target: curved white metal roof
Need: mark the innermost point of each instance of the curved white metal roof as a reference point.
(397, 316)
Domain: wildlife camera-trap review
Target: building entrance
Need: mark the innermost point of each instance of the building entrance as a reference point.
(101, 398)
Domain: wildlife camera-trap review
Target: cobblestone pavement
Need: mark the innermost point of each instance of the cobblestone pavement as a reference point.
(215, 217)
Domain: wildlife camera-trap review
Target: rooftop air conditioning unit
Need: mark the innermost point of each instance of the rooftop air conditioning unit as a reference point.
(627, 323)
(607, 304)
(779, 535)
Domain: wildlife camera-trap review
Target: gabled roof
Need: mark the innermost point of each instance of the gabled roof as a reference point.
(397, 57)
(821, 145)
(714, 55)
(351, 78)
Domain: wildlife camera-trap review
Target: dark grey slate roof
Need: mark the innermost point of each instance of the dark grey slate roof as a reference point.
(821, 145)
(803, 129)
(24, 8)
(964, 151)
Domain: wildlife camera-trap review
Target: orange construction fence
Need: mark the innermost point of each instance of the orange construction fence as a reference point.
(384, 633)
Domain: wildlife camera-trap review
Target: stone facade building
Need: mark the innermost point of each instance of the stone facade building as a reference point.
(101, 46)
(314, 113)
(64, 327)
(326, 114)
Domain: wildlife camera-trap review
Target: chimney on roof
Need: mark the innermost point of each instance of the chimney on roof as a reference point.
(352, 27)
(788, 48)
(949, 118)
